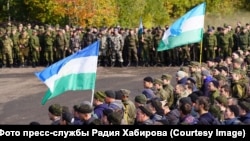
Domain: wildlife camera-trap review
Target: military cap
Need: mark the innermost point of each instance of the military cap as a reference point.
(47, 26)
(221, 77)
(36, 27)
(166, 76)
(125, 92)
(85, 108)
(28, 24)
(34, 31)
(194, 64)
(222, 100)
(146, 110)
(238, 61)
(225, 25)
(141, 98)
(184, 69)
(100, 96)
(55, 109)
(244, 105)
(115, 118)
(158, 81)
(24, 28)
(41, 27)
(215, 110)
(236, 71)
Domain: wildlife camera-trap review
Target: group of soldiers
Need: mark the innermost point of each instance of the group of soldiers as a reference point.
(33, 45)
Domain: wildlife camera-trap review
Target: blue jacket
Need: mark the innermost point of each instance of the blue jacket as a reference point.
(204, 87)
(245, 119)
(98, 110)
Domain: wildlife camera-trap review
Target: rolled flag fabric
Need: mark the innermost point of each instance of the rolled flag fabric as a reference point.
(140, 30)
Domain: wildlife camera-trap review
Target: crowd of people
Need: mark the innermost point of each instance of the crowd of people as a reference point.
(42, 45)
(213, 93)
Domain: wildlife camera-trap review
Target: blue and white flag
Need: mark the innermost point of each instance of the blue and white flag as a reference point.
(188, 29)
(140, 30)
(75, 72)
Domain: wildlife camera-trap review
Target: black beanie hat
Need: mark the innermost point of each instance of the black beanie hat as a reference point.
(110, 93)
(235, 110)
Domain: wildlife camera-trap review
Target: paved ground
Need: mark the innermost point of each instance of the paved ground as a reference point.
(21, 91)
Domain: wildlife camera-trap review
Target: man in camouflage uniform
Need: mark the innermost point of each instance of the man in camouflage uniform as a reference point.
(210, 44)
(117, 44)
(131, 43)
(29, 29)
(166, 78)
(239, 82)
(130, 109)
(184, 52)
(16, 50)
(7, 46)
(103, 58)
(2, 33)
(160, 92)
(48, 47)
(225, 42)
(41, 36)
(35, 48)
(60, 43)
(67, 39)
(75, 42)
(247, 60)
(244, 39)
(147, 47)
(8, 28)
(23, 44)
(193, 69)
(88, 38)
(159, 56)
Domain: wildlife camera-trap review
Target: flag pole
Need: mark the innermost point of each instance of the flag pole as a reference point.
(92, 96)
(201, 52)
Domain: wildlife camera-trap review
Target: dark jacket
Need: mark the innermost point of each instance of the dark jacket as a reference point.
(98, 110)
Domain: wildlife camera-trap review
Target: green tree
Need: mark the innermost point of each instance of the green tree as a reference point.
(129, 12)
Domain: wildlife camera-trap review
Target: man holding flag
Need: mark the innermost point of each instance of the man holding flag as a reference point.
(186, 30)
